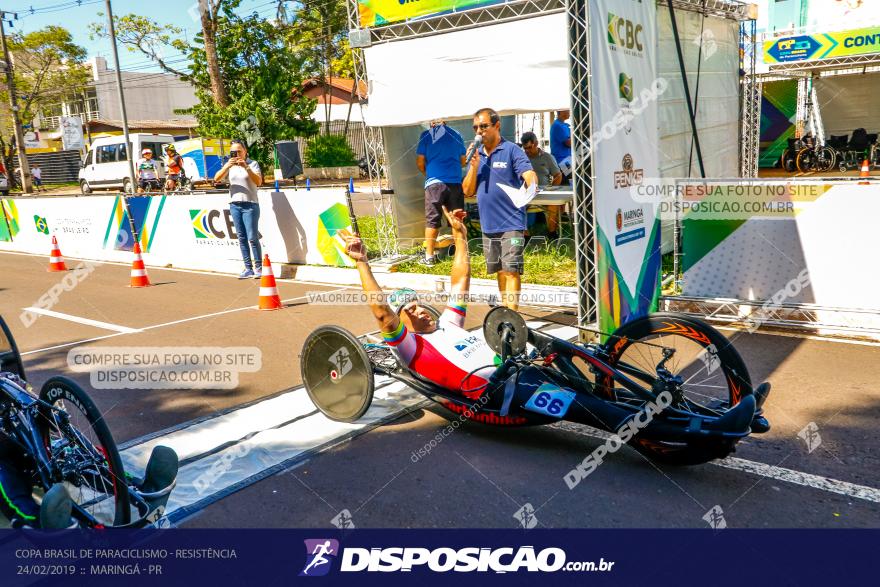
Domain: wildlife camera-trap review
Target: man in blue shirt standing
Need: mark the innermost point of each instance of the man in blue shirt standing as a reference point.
(440, 156)
(500, 164)
(560, 143)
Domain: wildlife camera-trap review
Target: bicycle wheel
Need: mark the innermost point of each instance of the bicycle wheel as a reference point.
(827, 159)
(788, 160)
(805, 160)
(82, 452)
(714, 376)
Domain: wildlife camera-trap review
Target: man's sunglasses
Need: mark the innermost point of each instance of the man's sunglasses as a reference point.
(482, 126)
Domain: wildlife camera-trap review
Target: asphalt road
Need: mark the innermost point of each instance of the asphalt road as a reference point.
(475, 476)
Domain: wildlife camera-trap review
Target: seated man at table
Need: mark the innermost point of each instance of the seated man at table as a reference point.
(548, 174)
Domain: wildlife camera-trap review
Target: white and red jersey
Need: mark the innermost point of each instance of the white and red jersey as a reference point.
(448, 355)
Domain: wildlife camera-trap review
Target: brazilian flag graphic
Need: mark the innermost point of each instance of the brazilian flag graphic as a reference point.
(41, 224)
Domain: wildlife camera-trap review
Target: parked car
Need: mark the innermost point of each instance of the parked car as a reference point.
(105, 166)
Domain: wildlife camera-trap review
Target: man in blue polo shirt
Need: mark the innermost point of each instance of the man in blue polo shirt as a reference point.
(500, 163)
(440, 156)
(560, 143)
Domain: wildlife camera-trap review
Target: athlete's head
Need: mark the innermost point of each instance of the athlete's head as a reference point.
(416, 318)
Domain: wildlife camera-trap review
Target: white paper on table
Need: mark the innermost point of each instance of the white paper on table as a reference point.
(520, 196)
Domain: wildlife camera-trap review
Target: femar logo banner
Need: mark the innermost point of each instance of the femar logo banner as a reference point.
(822, 46)
(145, 210)
(628, 232)
(381, 12)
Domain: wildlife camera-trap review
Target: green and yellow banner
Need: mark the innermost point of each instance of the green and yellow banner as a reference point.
(822, 46)
(375, 13)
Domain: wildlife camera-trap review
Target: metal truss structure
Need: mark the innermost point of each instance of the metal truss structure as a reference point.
(752, 315)
(582, 170)
(466, 19)
(750, 115)
(386, 229)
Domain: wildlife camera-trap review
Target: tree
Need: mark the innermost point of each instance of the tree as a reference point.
(141, 34)
(209, 10)
(47, 69)
(319, 34)
(259, 72)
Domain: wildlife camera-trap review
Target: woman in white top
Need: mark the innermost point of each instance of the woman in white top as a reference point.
(244, 207)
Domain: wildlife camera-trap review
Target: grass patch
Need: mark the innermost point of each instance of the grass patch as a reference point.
(545, 264)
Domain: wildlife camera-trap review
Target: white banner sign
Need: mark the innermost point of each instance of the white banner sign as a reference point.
(193, 232)
(72, 133)
(625, 138)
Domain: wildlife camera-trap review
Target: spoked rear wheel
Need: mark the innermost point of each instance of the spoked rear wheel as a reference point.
(714, 376)
(79, 445)
(337, 373)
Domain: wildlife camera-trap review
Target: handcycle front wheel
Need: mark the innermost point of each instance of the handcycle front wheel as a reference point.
(337, 373)
(715, 378)
(84, 453)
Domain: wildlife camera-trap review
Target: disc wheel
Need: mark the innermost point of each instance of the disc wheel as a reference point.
(83, 453)
(714, 376)
(337, 373)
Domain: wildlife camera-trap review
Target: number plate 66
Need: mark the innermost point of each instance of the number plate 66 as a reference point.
(550, 400)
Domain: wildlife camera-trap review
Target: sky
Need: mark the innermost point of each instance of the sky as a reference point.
(76, 18)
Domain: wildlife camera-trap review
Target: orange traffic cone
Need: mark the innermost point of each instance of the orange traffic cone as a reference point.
(56, 261)
(865, 172)
(269, 298)
(139, 276)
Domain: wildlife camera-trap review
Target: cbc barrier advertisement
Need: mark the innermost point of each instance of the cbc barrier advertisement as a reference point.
(193, 232)
(625, 140)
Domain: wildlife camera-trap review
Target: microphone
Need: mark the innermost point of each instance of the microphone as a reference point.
(478, 140)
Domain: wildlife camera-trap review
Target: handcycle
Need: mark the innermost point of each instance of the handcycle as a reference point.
(708, 400)
(63, 438)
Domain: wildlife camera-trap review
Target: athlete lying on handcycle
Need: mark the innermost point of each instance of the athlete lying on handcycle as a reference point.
(669, 384)
(441, 351)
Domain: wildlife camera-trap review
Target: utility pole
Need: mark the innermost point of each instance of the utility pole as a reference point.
(128, 146)
(13, 105)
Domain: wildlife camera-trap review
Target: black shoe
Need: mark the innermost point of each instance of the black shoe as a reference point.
(56, 509)
(161, 469)
(428, 261)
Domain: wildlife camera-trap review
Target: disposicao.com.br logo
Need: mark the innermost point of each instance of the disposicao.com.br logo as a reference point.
(442, 560)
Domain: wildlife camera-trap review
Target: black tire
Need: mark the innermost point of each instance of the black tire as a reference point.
(92, 440)
(342, 389)
(805, 160)
(827, 159)
(84, 187)
(725, 372)
(788, 161)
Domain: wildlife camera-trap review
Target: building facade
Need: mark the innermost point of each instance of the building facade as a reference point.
(148, 96)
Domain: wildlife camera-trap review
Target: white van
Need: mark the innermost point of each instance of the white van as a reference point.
(105, 166)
